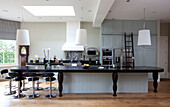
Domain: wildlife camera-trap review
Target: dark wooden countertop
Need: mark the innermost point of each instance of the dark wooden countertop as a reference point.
(91, 69)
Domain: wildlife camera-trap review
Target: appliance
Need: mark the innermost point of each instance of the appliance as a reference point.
(113, 56)
(144, 37)
(92, 52)
(107, 57)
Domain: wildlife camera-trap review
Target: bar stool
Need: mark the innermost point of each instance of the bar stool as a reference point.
(32, 78)
(5, 71)
(23, 86)
(50, 78)
(38, 82)
(19, 79)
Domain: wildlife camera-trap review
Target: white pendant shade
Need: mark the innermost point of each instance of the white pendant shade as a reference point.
(144, 37)
(81, 37)
(23, 37)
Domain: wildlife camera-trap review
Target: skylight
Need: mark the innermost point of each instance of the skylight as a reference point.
(51, 10)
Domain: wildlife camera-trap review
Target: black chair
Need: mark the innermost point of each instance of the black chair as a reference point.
(32, 78)
(19, 79)
(50, 78)
(5, 71)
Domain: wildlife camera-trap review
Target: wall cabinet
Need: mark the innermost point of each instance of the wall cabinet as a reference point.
(110, 41)
(152, 26)
(120, 26)
(112, 27)
(113, 37)
(107, 27)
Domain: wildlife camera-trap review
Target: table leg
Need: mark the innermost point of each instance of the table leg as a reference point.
(155, 83)
(115, 78)
(60, 86)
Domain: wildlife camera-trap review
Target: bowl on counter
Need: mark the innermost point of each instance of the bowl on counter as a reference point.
(85, 66)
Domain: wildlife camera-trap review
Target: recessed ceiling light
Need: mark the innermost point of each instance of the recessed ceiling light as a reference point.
(5, 10)
(154, 12)
(51, 10)
(89, 10)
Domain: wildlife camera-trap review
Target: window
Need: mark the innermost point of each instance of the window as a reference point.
(7, 52)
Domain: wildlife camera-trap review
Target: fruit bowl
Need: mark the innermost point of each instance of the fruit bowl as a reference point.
(85, 66)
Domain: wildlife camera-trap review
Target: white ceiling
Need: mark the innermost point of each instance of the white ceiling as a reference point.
(155, 9)
(93, 10)
(14, 8)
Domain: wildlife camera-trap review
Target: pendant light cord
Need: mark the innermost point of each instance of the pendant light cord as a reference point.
(144, 19)
(22, 18)
(82, 13)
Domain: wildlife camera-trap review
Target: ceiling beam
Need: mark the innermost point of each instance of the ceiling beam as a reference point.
(101, 12)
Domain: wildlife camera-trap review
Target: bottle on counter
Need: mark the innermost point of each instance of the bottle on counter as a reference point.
(48, 64)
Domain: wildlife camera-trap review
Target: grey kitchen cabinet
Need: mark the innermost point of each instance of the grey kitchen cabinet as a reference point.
(152, 25)
(118, 26)
(127, 26)
(112, 37)
(107, 27)
(149, 57)
(118, 42)
(137, 25)
(112, 27)
(110, 41)
(138, 54)
(145, 57)
(107, 41)
(132, 26)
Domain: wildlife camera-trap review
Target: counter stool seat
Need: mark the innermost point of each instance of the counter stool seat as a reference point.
(33, 79)
(52, 79)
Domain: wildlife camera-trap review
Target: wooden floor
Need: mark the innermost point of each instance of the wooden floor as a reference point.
(150, 99)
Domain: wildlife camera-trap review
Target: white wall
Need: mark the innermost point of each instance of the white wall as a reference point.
(46, 35)
(93, 34)
(53, 35)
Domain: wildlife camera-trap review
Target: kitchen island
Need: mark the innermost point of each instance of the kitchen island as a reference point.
(113, 72)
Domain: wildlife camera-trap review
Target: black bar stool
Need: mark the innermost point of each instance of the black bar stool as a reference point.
(50, 78)
(23, 85)
(38, 82)
(32, 78)
(5, 71)
(19, 79)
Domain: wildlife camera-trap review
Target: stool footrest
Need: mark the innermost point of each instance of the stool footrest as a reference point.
(25, 89)
(10, 93)
(19, 96)
(48, 88)
(33, 96)
(38, 88)
(50, 96)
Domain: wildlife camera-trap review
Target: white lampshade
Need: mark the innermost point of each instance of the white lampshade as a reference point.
(81, 37)
(144, 37)
(23, 37)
